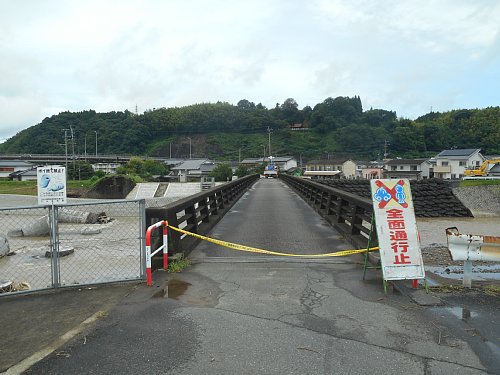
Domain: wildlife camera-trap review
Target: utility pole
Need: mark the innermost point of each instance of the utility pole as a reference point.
(189, 147)
(66, 149)
(170, 154)
(386, 143)
(269, 130)
(95, 131)
(73, 149)
(239, 155)
(85, 147)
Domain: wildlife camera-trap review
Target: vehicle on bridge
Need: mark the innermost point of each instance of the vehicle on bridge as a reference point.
(271, 171)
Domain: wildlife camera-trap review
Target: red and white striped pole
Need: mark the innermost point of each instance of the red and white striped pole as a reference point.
(164, 247)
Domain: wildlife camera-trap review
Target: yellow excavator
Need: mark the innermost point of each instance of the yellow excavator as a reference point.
(481, 171)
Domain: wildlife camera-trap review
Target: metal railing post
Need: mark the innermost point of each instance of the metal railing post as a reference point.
(54, 247)
(142, 238)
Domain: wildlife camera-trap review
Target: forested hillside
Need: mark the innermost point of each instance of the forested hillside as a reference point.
(221, 130)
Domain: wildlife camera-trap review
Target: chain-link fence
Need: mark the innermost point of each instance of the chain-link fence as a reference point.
(75, 244)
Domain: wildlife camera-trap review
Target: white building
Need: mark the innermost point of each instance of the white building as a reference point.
(413, 169)
(349, 169)
(108, 168)
(285, 163)
(451, 164)
(10, 166)
(195, 168)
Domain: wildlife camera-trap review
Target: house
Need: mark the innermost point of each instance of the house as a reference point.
(325, 165)
(349, 169)
(372, 169)
(172, 162)
(413, 169)
(284, 163)
(193, 168)
(26, 175)
(10, 166)
(251, 162)
(360, 165)
(298, 127)
(451, 164)
(494, 171)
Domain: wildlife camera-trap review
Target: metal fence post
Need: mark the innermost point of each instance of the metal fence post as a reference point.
(142, 237)
(54, 246)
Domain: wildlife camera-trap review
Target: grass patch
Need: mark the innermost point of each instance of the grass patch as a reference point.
(30, 187)
(492, 290)
(178, 265)
(465, 183)
(18, 187)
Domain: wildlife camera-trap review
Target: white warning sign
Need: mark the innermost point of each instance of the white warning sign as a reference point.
(397, 230)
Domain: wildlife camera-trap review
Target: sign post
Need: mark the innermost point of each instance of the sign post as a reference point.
(51, 184)
(398, 239)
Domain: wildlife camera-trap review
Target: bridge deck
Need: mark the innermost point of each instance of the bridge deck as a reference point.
(271, 216)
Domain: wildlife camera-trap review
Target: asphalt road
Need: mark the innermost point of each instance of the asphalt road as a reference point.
(234, 313)
(271, 216)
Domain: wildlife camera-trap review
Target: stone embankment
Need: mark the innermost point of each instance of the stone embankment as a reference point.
(431, 198)
(483, 201)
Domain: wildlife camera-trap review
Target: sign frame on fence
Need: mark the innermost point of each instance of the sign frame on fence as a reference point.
(400, 255)
(51, 182)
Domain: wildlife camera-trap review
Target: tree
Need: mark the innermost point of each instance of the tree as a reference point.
(289, 111)
(241, 171)
(80, 171)
(143, 168)
(222, 172)
(154, 167)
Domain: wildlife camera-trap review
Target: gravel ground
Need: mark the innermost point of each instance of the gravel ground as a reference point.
(433, 236)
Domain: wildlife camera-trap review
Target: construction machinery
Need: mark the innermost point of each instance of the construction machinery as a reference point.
(481, 171)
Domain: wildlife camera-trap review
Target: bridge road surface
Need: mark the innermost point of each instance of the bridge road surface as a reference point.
(241, 313)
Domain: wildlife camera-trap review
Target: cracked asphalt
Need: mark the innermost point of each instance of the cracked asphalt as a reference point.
(240, 313)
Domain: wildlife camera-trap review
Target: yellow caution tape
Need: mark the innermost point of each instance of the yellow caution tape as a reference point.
(250, 249)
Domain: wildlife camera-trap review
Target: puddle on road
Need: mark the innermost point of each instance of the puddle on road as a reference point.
(461, 313)
(174, 289)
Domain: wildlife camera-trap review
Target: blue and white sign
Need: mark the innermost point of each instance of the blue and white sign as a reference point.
(51, 184)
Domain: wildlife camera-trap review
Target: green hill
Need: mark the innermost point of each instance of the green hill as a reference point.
(221, 130)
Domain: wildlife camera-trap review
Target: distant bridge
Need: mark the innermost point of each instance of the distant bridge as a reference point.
(60, 159)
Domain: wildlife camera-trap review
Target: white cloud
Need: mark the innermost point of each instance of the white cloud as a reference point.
(397, 55)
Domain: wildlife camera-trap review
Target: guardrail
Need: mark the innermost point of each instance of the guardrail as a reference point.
(197, 214)
(472, 247)
(350, 214)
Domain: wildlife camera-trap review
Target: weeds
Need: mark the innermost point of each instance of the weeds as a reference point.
(177, 265)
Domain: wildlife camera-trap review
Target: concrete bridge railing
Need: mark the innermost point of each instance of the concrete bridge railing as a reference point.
(198, 214)
(350, 214)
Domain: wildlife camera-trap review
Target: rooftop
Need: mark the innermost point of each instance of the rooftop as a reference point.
(191, 164)
(405, 161)
(464, 152)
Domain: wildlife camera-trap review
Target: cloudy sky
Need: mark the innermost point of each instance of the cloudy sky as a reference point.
(400, 55)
